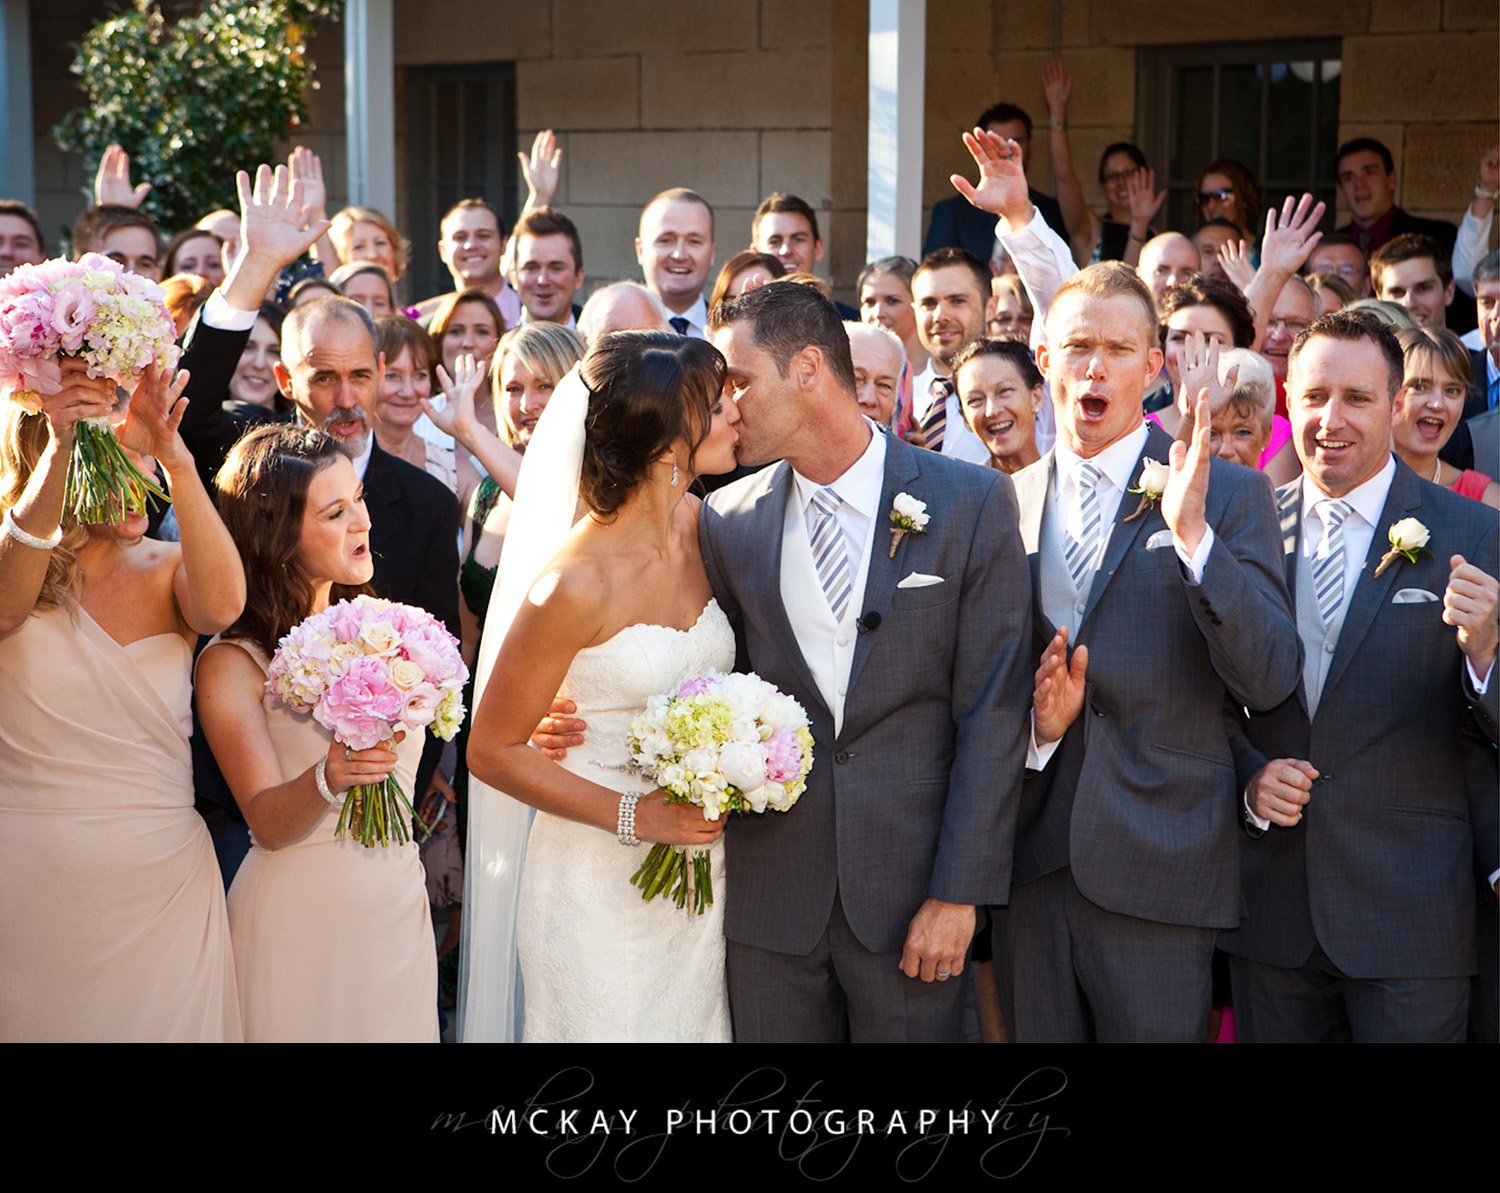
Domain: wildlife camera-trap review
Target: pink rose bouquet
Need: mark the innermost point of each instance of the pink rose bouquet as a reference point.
(727, 743)
(366, 669)
(116, 321)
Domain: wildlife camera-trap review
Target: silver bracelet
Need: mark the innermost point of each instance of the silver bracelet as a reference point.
(320, 777)
(27, 539)
(625, 818)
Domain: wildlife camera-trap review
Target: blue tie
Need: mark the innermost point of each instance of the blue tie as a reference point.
(679, 324)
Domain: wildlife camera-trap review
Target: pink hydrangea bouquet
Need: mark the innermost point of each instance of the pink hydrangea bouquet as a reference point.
(727, 743)
(365, 669)
(116, 321)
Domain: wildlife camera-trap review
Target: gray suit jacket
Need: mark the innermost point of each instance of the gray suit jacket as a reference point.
(1140, 798)
(917, 795)
(1381, 870)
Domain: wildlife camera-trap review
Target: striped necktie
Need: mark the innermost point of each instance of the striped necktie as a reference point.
(830, 557)
(935, 421)
(1079, 553)
(1328, 562)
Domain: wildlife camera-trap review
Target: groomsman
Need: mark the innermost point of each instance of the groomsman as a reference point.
(1372, 797)
(1162, 565)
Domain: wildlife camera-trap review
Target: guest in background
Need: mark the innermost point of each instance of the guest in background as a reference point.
(195, 251)
(1010, 314)
(1227, 190)
(1000, 389)
(253, 384)
(411, 361)
(364, 234)
(1429, 407)
(745, 271)
(367, 284)
(879, 364)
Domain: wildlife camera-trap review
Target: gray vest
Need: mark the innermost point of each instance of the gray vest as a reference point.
(1061, 602)
(1318, 642)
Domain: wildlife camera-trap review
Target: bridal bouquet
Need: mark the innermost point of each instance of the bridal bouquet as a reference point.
(365, 669)
(117, 322)
(728, 743)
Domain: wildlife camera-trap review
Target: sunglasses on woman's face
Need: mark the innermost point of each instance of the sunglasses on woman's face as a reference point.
(1221, 193)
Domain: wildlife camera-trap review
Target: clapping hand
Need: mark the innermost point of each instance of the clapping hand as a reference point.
(1186, 494)
(1469, 604)
(151, 421)
(1199, 370)
(1291, 235)
(542, 167)
(1057, 698)
(1002, 178)
(112, 180)
(1234, 259)
(457, 417)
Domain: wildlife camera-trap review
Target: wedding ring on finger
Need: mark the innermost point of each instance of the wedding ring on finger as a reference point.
(944, 974)
(348, 754)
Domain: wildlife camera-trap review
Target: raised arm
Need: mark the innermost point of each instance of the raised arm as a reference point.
(306, 167)
(1085, 227)
(112, 180)
(209, 584)
(1289, 241)
(37, 513)
(457, 418)
(541, 170)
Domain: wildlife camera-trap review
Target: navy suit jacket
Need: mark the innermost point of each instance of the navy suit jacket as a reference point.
(1381, 869)
(957, 222)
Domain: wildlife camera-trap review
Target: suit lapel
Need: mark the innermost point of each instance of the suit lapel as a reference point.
(387, 523)
(1123, 535)
(1289, 514)
(1370, 593)
(901, 471)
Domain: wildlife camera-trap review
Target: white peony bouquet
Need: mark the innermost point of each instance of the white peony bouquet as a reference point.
(727, 743)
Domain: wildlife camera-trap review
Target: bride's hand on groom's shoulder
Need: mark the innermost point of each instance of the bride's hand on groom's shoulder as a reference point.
(674, 824)
(559, 730)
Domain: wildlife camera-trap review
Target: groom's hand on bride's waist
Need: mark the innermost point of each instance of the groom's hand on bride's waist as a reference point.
(559, 730)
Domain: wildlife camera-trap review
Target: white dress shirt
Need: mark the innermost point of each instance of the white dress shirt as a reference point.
(697, 317)
(1469, 246)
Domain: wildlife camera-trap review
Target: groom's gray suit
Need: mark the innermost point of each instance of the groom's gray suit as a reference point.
(914, 796)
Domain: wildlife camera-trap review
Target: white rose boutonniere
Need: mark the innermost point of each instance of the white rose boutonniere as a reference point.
(1153, 484)
(908, 516)
(1408, 539)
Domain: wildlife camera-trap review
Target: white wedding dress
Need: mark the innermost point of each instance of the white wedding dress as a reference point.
(600, 963)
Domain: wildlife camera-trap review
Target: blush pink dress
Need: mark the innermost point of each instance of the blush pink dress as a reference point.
(112, 919)
(333, 942)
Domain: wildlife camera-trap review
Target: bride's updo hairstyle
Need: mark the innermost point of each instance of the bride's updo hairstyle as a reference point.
(647, 391)
(262, 495)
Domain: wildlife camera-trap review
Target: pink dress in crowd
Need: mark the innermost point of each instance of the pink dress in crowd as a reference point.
(1471, 484)
(113, 924)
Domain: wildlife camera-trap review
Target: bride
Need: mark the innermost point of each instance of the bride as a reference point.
(607, 614)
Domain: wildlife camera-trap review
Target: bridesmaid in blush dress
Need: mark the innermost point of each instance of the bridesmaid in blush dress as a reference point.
(114, 927)
(332, 941)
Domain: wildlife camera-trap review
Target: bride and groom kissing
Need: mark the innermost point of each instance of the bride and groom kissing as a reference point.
(850, 917)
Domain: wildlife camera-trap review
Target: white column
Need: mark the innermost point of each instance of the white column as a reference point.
(370, 104)
(17, 177)
(898, 69)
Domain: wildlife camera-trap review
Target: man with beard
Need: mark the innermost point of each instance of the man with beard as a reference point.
(948, 293)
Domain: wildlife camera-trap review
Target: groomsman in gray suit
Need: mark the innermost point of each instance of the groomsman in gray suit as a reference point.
(1163, 566)
(849, 917)
(1372, 791)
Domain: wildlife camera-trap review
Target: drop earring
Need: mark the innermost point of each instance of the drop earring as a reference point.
(674, 474)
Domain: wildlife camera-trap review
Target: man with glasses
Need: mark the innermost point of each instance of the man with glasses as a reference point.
(1339, 253)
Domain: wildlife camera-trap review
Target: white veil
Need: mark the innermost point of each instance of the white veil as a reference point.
(489, 989)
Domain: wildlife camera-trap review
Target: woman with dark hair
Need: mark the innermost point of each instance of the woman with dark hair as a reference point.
(114, 926)
(332, 941)
(1227, 190)
(745, 271)
(253, 388)
(1429, 407)
(606, 613)
(366, 283)
(1000, 392)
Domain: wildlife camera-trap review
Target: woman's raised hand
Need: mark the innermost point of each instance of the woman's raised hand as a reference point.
(457, 416)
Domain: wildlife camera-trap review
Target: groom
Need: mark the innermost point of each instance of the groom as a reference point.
(849, 918)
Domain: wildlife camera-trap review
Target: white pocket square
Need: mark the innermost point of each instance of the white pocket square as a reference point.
(919, 580)
(1162, 538)
(1413, 596)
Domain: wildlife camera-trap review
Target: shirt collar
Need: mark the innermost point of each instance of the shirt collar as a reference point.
(362, 461)
(1117, 461)
(861, 484)
(1366, 500)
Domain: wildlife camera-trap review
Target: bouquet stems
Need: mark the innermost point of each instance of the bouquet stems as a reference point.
(666, 872)
(104, 486)
(378, 814)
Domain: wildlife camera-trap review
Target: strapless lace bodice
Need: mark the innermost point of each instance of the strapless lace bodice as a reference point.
(601, 964)
(610, 683)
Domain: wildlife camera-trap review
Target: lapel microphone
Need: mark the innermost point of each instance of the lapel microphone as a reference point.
(869, 623)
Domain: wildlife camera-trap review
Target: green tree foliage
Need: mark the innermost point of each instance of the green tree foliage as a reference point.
(194, 100)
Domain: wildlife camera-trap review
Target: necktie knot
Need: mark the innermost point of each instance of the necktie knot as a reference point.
(679, 324)
(1088, 477)
(827, 501)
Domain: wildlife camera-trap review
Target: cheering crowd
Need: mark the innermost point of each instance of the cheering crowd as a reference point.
(1258, 794)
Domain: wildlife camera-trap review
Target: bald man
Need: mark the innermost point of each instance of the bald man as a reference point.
(1168, 260)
